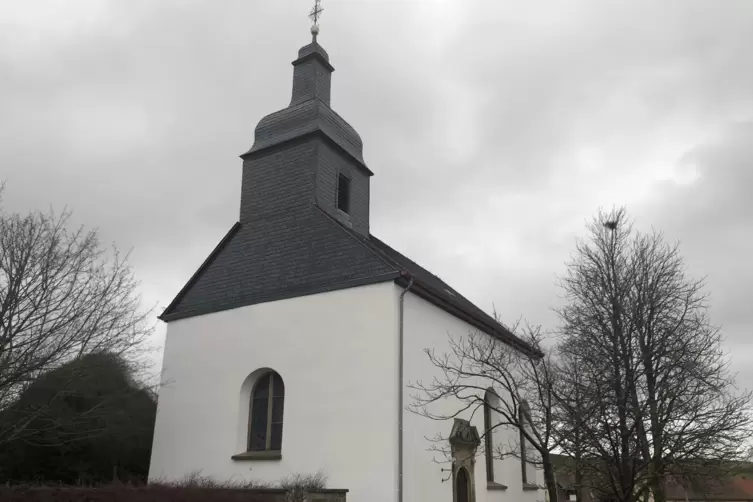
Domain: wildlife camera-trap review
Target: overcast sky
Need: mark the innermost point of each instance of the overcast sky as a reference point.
(521, 118)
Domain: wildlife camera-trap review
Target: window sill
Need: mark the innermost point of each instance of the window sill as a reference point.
(491, 485)
(344, 218)
(530, 487)
(258, 455)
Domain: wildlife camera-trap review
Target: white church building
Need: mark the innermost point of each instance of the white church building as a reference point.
(290, 349)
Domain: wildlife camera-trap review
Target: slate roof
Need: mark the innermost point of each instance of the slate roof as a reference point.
(304, 118)
(278, 258)
(273, 260)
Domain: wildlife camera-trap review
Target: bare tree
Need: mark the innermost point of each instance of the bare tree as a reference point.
(61, 297)
(577, 411)
(638, 326)
(603, 447)
(522, 387)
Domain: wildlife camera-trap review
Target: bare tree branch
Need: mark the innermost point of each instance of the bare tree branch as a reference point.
(61, 297)
(522, 385)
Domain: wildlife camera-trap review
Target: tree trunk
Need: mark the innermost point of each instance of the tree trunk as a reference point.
(657, 488)
(578, 477)
(549, 479)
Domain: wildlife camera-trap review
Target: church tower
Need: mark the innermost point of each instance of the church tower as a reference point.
(306, 155)
(304, 209)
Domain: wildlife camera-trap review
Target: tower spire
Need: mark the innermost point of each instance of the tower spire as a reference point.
(314, 15)
(307, 151)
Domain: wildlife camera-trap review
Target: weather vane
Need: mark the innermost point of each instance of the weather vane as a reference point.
(314, 15)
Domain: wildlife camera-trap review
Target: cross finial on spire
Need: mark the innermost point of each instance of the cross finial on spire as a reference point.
(314, 15)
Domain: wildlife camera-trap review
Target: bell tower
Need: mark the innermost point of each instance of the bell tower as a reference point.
(305, 155)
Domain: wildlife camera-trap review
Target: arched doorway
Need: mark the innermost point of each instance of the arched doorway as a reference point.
(464, 442)
(461, 485)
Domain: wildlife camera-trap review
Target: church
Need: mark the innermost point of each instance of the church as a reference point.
(290, 350)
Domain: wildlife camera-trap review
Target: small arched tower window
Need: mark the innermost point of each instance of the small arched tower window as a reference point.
(488, 435)
(266, 406)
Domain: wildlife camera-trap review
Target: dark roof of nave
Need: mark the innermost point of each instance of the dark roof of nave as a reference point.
(320, 254)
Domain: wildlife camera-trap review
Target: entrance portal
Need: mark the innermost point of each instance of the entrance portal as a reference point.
(461, 483)
(464, 441)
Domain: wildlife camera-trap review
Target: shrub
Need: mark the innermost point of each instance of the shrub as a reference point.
(193, 488)
(298, 486)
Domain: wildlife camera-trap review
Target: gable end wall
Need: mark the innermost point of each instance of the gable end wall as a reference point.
(337, 355)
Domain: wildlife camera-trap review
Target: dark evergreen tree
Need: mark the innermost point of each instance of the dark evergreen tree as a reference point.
(87, 421)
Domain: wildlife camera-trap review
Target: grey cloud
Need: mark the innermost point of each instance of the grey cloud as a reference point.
(713, 219)
(474, 115)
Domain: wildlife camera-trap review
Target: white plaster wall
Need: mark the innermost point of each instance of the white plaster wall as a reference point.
(428, 326)
(337, 354)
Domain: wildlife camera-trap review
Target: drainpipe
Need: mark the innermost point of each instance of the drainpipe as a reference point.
(400, 358)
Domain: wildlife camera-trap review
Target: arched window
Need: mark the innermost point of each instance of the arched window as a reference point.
(488, 433)
(266, 406)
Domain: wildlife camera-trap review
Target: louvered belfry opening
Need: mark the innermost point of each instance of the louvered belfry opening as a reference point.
(306, 156)
(343, 193)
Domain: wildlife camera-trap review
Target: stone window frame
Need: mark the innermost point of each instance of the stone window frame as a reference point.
(525, 417)
(488, 439)
(491, 401)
